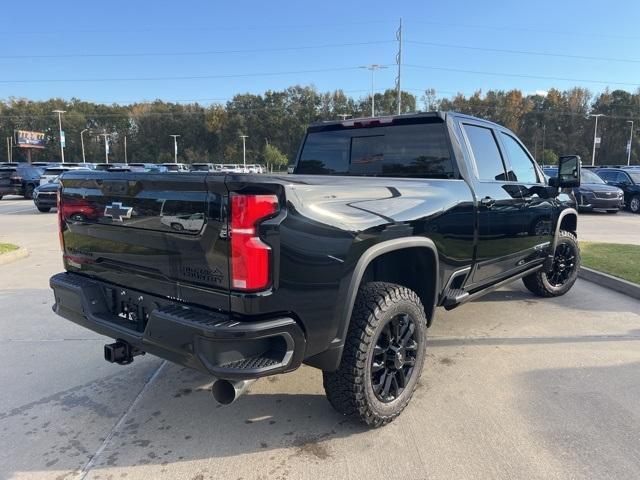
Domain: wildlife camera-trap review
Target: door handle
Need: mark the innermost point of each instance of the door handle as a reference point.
(487, 202)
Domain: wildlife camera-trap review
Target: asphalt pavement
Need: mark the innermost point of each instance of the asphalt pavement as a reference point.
(515, 387)
(622, 227)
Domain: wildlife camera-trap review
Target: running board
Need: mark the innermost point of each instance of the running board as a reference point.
(455, 297)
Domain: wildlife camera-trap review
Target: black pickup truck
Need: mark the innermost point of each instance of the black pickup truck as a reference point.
(339, 266)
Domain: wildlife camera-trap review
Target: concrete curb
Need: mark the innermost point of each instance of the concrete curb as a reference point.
(609, 281)
(13, 255)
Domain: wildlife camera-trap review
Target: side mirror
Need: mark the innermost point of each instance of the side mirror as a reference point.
(568, 172)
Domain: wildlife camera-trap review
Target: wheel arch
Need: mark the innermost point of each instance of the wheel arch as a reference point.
(377, 264)
(567, 220)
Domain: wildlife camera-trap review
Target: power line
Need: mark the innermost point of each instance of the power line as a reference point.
(524, 52)
(521, 75)
(185, 77)
(589, 34)
(198, 53)
(192, 28)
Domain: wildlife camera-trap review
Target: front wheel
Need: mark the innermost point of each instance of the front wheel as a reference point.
(563, 273)
(44, 209)
(383, 355)
(634, 204)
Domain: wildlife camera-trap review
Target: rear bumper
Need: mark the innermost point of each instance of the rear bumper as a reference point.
(205, 340)
(10, 190)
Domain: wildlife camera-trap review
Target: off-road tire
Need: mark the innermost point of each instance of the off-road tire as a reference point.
(28, 191)
(349, 389)
(44, 209)
(538, 282)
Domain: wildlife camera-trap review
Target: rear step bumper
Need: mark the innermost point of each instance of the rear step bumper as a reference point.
(205, 340)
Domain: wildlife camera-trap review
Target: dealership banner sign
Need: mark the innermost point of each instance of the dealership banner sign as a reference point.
(27, 139)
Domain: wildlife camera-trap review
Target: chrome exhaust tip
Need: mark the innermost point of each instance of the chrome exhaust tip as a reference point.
(227, 391)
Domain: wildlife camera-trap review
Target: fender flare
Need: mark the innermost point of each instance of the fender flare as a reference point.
(329, 360)
(556, 235)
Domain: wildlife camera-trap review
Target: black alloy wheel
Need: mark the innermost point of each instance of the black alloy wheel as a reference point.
(394, 358)
(564, 263)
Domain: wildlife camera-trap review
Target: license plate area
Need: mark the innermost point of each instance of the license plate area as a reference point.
(128, 309)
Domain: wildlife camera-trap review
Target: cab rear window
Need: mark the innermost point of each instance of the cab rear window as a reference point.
(410, 150)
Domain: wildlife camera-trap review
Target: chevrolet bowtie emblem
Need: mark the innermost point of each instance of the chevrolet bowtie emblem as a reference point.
(117, 211)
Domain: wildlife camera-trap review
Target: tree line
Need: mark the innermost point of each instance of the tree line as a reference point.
(551, 124)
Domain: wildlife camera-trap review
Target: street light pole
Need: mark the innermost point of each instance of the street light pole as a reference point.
(106, 146)
(175, 148)
(630, 142)
(595, 136)
(60, 112)
(84, 160)
(244, 150)
(125, 150)
(373, 67)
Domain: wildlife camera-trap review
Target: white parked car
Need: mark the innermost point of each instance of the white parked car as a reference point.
(50, 174)
(192, 222)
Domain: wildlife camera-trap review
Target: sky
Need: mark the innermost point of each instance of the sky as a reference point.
(125, 51)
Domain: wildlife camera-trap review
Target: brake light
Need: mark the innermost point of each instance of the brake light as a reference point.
(250, 256)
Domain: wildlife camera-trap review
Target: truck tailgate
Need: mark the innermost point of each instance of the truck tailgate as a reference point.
(164, 234)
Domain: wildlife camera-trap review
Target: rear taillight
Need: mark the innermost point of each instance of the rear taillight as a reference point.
(250, 256)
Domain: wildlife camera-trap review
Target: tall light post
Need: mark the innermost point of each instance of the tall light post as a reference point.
(373, 67)
(84, 160)
(630, 142)
(125, 150)
(60, 112)
(106, 146)
(244, 150)
(175, 148)
(595, 137)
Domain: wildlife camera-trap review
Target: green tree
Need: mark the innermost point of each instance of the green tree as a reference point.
(273, 157)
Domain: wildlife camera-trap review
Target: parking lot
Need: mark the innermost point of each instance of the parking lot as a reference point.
(514, 387)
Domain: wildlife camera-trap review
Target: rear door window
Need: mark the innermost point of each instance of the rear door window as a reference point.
(486, 153)
(409, 150)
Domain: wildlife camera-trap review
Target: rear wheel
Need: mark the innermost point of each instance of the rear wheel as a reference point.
(563, 273)
(383, 355)
(634, 204)
(44, 209)
(28, 191)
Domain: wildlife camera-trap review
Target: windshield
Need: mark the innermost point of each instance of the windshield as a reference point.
(635, 177)
(589, 177)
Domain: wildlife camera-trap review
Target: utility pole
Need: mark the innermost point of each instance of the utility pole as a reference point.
(630, 142)
(373, 67)
(244, 150)
(106, 146)
(399, 62)
(84, 160)
(125, 150)
(175, 148)
(60, 112)
(595, 137)
(544, 135)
